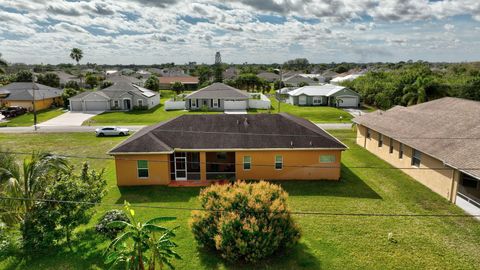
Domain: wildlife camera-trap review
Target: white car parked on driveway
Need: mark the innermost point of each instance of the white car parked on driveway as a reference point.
(111, 131)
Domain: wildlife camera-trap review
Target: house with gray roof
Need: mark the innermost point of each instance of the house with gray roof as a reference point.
(436, 142)
(23, 94)
(217, 97)
(298, 79)
(269, 76)
(122, 95)
(324, 95)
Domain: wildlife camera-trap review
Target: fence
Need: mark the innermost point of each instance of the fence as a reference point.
(174, 105)
(262, 103)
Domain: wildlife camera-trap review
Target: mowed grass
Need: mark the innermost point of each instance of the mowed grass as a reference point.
(27, 119)
(328, 241)
(316, 114)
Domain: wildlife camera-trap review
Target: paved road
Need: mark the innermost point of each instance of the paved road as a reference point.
(67, 129)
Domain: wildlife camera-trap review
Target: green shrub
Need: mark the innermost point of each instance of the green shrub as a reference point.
(109, 216)
(244, 221)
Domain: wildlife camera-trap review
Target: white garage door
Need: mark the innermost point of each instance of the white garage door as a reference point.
(94, 106)
(75, 106)
(347, 101)
(235, 105)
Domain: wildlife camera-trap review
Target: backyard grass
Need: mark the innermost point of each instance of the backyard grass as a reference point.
(27, 119)
(316, 114)
(328, 241)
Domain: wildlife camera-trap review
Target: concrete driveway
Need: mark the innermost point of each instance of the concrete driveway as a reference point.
(68, 119)
(354, 112)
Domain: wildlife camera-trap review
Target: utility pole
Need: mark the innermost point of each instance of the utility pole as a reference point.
(33, 103)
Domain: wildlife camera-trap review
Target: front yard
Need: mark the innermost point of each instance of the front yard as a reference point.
(27, 119)
(328, 242)
(158, 114)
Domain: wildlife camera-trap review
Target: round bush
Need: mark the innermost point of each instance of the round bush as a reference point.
(244, 221)
(109, 216)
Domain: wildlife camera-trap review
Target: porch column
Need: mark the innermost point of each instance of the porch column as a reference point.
(203, 166)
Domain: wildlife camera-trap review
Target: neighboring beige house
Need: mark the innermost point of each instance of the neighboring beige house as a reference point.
(437, 143)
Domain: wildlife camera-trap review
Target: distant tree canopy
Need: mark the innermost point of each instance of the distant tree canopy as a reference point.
(297, 64)
(414, 83)
(49, 79)
(250, 82)
(178, 87)
(91, 80)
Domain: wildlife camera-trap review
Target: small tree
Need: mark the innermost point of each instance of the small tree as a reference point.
(24, 76)
(105, 84)
(49, 79)
(302, 84)
(152, 83)
(177, 87)
(91, 80)
(140, 247)
(244, 221)
(73, 85)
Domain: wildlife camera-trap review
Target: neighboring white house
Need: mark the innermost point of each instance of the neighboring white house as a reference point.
(122, 95)
(220, 97)
(324, 95)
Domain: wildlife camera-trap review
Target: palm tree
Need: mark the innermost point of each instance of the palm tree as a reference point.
(76, 54)
(423, 89)
(27, 182)
(3, 64)
(139, 247)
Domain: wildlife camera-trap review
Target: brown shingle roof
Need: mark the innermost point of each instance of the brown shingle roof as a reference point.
(225, 131)
(447, 129)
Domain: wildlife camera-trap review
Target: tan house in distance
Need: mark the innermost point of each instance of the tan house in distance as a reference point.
(201, 148)
(437, 143)
(21, 94)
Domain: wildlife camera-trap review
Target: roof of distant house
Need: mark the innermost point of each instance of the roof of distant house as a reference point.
(251, 131)
(297, 78)
(117, 77)
(447, 129)
(221, 91)
(269, 76)
(317, 90)
(116, 90)
(182, 79)
(24, 91)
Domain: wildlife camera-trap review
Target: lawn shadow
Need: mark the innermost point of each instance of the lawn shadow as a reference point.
(350, 185)
(146, 194)
(298, 257)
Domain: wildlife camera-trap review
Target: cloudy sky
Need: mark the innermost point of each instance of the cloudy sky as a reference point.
(254, 31)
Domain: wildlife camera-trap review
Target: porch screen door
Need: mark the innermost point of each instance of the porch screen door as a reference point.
(180, 168)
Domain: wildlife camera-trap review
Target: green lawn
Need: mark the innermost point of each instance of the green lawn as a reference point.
(27, 119)
(328, 242)
(158, 114)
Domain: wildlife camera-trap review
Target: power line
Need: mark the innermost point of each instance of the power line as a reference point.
(258, 165)
(316, 213)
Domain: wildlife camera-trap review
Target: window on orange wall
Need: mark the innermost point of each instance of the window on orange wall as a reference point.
(327, 158)
(247, 163)
(400, 150)
(278, 162)
(142, 168)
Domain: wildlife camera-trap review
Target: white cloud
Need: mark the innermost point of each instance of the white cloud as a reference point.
(449, 27)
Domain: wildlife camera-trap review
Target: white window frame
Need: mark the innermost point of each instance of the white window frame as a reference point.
(194, 103)
(116, 104)
(140, 101)
(249, 163)
(215, 103)
(138, 170)
(317, 100)
(281, 162)
(332, 159)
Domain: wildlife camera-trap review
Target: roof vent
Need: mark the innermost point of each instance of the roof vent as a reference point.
(291, 143)
(311, 144)
(238, 122)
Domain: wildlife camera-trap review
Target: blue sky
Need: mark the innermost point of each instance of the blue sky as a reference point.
(267, 31)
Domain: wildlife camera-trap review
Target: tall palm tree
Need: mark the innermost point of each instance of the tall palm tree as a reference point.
(27, 182)
(3, 64)
(422, 90)
(76, 54)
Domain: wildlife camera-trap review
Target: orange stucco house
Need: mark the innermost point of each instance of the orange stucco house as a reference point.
(221, 146)
(23, 94)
